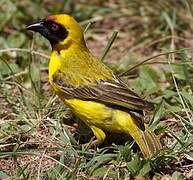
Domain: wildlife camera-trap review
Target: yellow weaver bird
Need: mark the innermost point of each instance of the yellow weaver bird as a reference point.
(93, 92)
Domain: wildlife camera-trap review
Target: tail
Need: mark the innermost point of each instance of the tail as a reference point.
(147, 141)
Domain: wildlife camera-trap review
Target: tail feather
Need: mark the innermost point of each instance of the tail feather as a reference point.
(150, 143)
(147, 141)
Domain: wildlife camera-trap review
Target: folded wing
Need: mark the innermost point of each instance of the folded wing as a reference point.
(113, 93)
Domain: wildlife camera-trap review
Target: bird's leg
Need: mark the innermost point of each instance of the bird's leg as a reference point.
(91, 143)
(99, 134)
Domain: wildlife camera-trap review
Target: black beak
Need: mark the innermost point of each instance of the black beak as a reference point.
(37, 26)
(40, 27)
(44, 28)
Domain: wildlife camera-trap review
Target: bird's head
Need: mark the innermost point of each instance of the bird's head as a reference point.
(61, 30)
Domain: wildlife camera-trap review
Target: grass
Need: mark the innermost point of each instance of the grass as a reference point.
(41, 139)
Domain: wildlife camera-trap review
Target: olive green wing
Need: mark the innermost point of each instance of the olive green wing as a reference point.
(113, 93)
(110, 92)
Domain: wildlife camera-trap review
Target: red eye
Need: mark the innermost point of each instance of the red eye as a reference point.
(54, 27)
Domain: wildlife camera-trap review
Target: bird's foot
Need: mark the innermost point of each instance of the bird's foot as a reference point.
(92, 143)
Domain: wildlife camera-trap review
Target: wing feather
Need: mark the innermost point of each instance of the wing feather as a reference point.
(111, 92)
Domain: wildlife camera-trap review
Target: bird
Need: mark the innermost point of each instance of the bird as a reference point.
(94, 93)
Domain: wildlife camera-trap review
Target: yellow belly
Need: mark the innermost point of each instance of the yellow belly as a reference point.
(99, 115)
(92, 113)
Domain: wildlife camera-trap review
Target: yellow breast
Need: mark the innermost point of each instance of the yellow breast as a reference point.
(54, 64)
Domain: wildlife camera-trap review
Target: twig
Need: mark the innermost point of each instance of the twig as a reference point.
(22, 73)
(181, 99)
(87, 27)
(151, 58)
(39, 168)
(110, 43)
(95, 19)
(24, 50)
(30, 72)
